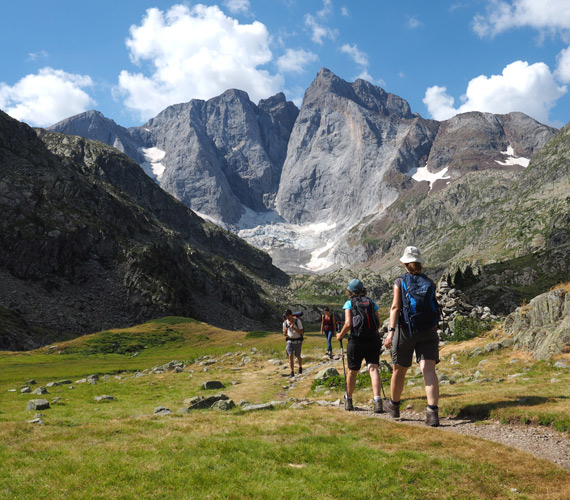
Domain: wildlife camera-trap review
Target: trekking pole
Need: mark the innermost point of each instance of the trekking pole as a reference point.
(343, 369)
(381, 384)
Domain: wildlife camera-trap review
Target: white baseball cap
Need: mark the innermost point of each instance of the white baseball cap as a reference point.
(411, 254)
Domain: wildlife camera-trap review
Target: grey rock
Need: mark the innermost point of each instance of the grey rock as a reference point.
(212, 384)
(38, 404)
(543, 327)
(31, 382)
(104, 398)
(223, 405)
(326, 373)
(161, 410)
(258, 407)
(493, 346)
(25, 390)
(201, 403)
(40, 390)
(561, 365)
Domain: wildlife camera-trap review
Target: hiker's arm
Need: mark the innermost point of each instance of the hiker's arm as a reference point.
(322, 323)
(347, 324)
(394, 315)
(285, 329)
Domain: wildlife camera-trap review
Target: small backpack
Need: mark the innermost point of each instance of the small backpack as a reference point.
(420, 308)
(364, 319)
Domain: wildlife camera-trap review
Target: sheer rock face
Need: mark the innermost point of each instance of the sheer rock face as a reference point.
(220, 155)
(89, 242)
(345, 139)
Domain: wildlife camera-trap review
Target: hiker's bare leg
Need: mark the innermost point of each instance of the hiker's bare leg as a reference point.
(351, 382)
(375, 379)
(299, 362)
(397, 382)
(292, 362)
(430, 379)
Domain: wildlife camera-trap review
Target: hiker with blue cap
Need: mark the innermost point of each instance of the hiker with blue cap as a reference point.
(362, 321)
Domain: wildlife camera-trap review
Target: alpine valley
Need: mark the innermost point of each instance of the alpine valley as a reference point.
(340, 186)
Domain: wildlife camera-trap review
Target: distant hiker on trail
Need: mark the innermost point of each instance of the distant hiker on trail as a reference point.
(293, 331)
(362, 320)
(328, 327)
(413, 327)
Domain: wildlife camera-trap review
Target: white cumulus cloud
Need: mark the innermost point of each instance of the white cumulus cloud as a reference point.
(318, 31)
(294, 61)
(47, 97)
(563, 69)
(238, 6)
(531, 89)
(196, 52)
(355, 53)
(539, 14)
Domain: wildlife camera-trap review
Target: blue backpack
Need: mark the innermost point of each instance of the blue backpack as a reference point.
(420, 308)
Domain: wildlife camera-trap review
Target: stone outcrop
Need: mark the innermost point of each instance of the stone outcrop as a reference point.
(543, 325)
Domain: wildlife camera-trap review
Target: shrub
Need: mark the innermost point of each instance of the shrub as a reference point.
(467, 328)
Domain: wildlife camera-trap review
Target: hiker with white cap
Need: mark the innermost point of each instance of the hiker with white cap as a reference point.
(362, 320)
(413, 328)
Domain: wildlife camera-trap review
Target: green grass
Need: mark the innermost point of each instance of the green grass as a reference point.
(119, 449)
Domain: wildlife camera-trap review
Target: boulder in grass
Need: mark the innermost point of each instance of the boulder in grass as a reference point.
(40, 390)
(31, 382)
(223, 405)
(162, 410)
(100, 399)
(263, 406)
(202, 403)
(38, 404)
(326, 373)
(212, 384)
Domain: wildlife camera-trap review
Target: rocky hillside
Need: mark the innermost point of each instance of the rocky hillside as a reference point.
(502, 236)
(88, 241)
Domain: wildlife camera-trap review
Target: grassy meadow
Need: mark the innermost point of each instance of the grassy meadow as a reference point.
(120, 449)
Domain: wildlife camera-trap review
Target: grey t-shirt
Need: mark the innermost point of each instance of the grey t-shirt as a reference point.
(292, 334)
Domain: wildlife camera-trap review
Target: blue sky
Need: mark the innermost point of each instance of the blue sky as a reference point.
(130, 59)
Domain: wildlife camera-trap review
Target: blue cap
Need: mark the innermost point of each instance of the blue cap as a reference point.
(355, 285)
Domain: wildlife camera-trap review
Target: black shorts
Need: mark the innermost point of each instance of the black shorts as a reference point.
(425, 344)
(360, 349)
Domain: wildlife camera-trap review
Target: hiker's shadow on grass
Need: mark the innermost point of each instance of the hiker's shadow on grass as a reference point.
(483, 411)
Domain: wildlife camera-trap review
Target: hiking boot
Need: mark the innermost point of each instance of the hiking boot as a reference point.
(292, 374)
(378, 406)
(300, 371)
(348, 404)
(392, 409)
(432, 418)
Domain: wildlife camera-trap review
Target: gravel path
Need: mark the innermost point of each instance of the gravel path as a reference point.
(542, 442)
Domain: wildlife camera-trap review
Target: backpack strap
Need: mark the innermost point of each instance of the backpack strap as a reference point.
(405, 303)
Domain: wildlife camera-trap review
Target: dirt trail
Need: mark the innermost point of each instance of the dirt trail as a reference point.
(541, 442)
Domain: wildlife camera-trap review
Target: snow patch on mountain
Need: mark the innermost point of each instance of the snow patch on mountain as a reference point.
(512, 159)
(423, 174)
(153, 166)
